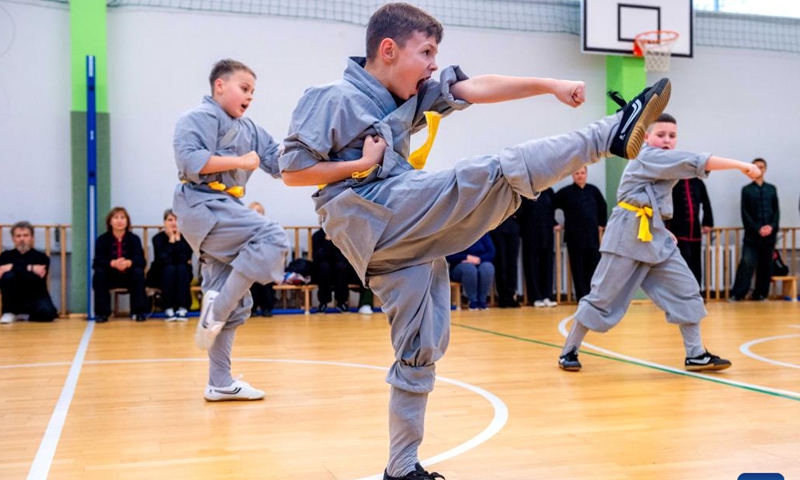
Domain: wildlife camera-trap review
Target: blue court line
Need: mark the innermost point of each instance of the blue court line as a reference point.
(641, 363)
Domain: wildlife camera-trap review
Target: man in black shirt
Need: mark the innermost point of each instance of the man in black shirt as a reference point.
(760, 216)
(23, 279)
(585, 215)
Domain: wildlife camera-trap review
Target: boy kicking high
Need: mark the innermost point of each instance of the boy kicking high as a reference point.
(395, 224)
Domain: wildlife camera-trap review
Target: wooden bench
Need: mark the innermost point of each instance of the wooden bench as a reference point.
(788, 286)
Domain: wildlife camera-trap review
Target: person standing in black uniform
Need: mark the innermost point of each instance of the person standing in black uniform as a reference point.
(760, 217)
(536, 220)
(506, 243)
(585, 215)
(689, 196)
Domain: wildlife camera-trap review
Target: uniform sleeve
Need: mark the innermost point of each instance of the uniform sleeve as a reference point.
(161, 250)
(488, 249)
(436, 96)
(137, 253)
(602, 208)
(672, 164)
(102, 256)
(267, 150)
(776, 212)
(311, 132)
(195, 141)
(748, 221)
(705, 202)
(5, 258)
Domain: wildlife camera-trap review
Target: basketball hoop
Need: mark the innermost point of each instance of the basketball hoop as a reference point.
(656, 48)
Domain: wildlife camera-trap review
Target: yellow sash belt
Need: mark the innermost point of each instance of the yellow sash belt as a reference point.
(236, 191)
(419, 156)
(644, 224)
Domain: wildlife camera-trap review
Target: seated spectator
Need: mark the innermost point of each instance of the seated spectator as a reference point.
(171, 271)
(333, 271)
(118, 263)
(263, 295)
(473, 268)
(23, 279)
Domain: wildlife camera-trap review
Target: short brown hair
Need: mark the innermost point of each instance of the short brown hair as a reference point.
(115, 211)
(759, 159)
(225, 67)
(22, 225)
(399, 21)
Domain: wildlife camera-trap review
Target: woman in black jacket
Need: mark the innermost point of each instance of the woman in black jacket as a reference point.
(171, 270)
(118, 263)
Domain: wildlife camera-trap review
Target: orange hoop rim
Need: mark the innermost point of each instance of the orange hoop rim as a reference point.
(653, 37)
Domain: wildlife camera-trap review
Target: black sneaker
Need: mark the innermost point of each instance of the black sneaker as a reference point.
(418, 473)
(569, 361)
(637, 115)
(342, 307)
(706, 362)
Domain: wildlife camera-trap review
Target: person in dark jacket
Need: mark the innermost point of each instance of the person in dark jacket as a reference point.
(506, 244)
(689, 197)
(474, 269)
(760, 216)
(585, 215)
(171, 270)
(23, 279)
(118, 263)
(537, 220)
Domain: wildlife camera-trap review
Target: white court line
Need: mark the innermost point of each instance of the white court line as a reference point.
(745, 349)
(497, 423)
(47, 448)
(563, 330)
(41, 466)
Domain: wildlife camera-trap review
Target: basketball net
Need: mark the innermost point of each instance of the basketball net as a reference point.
(656, 48)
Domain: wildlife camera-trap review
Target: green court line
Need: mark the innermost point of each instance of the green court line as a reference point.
(639, 364)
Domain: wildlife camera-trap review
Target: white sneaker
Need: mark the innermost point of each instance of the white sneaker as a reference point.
(8, 318)
(207, 327)
(549, 303)
(239, 390)
(169, 315)
(182, 312)
(539, 304)
(365, 310)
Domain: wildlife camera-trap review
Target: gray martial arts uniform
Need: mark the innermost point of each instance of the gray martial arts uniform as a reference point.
(397, 224)
(226, 234)
(628, 263)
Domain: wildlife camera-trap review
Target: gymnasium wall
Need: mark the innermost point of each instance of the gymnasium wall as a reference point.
(732, 102)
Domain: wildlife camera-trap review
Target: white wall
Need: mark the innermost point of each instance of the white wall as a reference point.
(730, 102)
(35, 102)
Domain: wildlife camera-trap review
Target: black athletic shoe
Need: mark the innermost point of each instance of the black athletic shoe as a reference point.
(101, 319)
(637, 115)
(706, 362)
(418, 473)
(569, 361)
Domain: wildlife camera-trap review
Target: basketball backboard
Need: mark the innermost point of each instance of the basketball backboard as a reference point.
(609, 26)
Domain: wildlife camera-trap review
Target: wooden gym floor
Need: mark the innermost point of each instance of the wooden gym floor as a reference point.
(123, 400)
